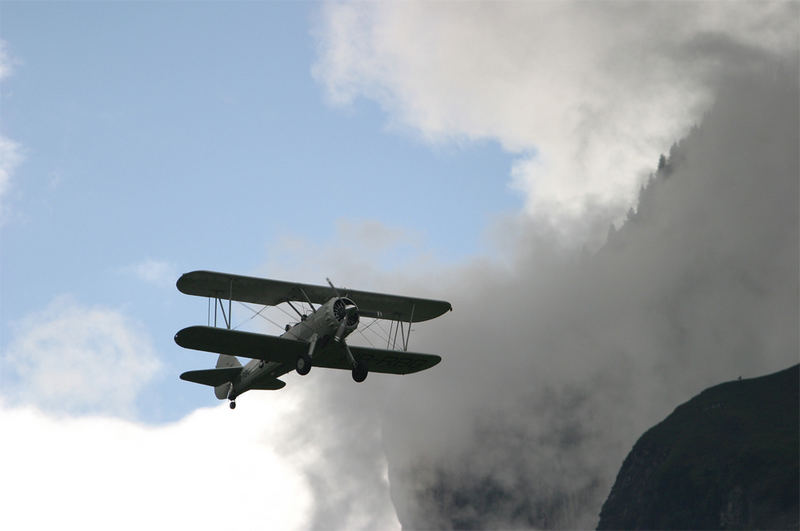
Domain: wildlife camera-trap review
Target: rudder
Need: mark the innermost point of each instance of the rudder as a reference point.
(224, 362)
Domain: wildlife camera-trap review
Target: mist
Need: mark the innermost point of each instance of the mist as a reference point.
(557, 358)
(551, 371)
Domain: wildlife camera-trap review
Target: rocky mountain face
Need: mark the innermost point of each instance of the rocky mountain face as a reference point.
(726, 459)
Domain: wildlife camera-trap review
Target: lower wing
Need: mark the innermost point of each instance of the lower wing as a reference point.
(286, 351)
(376, 359)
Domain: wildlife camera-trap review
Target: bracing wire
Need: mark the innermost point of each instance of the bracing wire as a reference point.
(370, 329)
(366, 338)
(255, 314)
(289, 315)
(373, 332)
(380, 333)
(382, 329)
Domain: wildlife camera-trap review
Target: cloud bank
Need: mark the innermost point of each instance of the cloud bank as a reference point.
(71, 378)
(557, 361)
(584, 95)
(71, 358)
(551, 372)
(203, 472)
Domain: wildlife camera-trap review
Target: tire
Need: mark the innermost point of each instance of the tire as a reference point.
(360, 372)
(303, 364)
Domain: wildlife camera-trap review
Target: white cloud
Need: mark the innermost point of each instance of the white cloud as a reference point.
(352, 257)
(10, 158)
(213, 469)
(585, 95)
(157, 272)
(10, 151)
(74, 358)
(552, 368)
(5, 61)
(210, 468)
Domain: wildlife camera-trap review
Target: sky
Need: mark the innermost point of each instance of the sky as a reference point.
(151, 140)
(473, 152)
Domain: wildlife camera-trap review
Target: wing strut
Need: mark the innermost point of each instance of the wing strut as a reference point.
(407, 338)
(293, 308)
(308, 300)
(400, 327)
(227, 317)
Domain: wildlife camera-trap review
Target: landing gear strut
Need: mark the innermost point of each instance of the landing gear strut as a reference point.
(359, 367)
(232, 396)
(303, 363)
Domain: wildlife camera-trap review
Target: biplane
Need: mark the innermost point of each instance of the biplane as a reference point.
(315, 339)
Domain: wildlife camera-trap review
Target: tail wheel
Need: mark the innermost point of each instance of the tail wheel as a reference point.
(360, 372)
(303, 364)
(233, 404)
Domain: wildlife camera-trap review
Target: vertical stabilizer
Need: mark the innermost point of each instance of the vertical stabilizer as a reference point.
(224, 362)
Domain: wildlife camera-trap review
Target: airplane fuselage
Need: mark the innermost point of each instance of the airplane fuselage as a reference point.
(334, 320)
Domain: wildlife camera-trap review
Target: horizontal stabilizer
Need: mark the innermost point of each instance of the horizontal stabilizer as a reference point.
(212, 377)
(268, 383)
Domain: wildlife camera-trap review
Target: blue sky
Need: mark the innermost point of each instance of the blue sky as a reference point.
(194, 136)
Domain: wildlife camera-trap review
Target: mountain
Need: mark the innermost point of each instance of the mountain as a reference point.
(726, 459)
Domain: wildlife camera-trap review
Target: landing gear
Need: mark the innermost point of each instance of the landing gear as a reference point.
(360, 372)
(303, 364)
(231, 396)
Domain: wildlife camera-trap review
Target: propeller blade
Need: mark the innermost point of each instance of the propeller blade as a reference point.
(333, 287)
(340, 331)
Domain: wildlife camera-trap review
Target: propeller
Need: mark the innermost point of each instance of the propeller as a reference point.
(333, 287)
(349, 316)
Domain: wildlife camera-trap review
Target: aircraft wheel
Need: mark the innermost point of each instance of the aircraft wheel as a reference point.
(359, 372)
(233, 404)
(303, 364)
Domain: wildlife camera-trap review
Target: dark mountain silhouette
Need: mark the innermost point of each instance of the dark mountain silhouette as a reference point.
(726, 459)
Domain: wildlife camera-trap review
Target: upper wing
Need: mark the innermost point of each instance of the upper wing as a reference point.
(273, 292)
(286, 351)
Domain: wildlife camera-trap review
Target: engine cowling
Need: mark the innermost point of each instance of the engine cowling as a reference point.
(345, 313)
